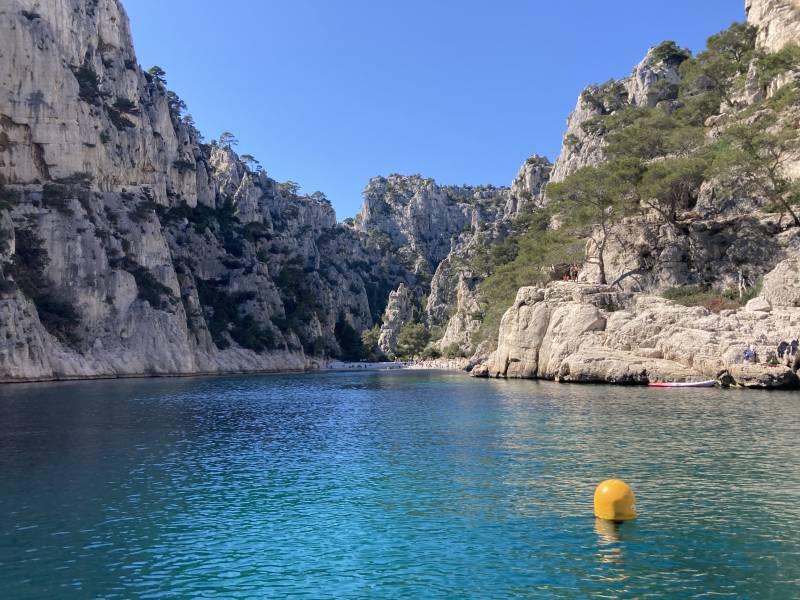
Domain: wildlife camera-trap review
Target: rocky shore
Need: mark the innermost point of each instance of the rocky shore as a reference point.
(578, 332)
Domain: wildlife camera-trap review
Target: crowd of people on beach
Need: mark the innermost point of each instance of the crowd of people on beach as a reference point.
(784, 354)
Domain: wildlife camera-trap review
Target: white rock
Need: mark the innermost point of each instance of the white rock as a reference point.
(758, 304)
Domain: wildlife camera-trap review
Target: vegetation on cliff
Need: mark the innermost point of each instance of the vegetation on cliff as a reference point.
(656, 158)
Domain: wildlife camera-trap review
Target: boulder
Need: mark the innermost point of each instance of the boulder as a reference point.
(781, 286)
(757, 304)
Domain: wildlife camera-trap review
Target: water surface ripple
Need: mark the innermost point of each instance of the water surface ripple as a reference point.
(393, 485)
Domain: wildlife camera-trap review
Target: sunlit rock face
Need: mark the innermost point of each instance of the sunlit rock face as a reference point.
(399, 310)
(128, 245)
(587, 333)
(648, 84)
(778, 22)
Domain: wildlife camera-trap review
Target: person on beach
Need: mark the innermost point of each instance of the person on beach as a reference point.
(791, 353)
(749, 355)
(782, 348)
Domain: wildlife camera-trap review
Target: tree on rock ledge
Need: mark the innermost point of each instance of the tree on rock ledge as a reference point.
(755, 156)
(598, 196)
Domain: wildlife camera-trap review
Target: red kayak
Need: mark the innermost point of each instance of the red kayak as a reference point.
(684, 384)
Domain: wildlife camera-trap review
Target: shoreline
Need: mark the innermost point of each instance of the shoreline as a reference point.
(453, 365)
(318, 367)
(106, 377)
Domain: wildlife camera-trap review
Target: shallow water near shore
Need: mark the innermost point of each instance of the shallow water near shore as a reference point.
(393, 484)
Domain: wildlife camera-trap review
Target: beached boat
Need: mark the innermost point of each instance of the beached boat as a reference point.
(683, 384)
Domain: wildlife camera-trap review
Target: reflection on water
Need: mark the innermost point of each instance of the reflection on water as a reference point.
(609, 550)
(394, 484)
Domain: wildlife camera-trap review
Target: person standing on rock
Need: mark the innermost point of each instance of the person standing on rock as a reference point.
(782, 348)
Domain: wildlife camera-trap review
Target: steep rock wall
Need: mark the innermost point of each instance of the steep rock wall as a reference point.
(128, 246)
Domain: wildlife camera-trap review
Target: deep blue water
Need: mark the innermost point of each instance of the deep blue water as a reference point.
(393, 484)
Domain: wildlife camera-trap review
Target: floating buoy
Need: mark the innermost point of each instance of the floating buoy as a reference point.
(614, 501)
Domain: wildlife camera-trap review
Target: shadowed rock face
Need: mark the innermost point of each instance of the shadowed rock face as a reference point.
(128, 246)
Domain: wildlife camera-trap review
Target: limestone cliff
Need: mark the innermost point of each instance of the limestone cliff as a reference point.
(129, 246)
(729, 230)
(778, 22)
(399, 310)
(651, 81)
(419, 220)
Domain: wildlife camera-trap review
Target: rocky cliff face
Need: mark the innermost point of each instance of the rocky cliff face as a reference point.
(433, 231)
(420, 221)
(778, 22)
(128, 246)
(651, 81)
(725, 234)
(587, 333)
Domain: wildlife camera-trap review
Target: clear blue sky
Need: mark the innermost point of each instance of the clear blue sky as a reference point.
(332, 92)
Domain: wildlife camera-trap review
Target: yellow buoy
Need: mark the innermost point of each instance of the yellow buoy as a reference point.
(614, 501)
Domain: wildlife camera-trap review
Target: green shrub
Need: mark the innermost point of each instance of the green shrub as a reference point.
(747, 295)
(58, 317)
(700, 295)
(352, 347)
(452, 351)
(249, 334)
(6, 285)
(183, 165)
(411, 340)
(8, 198)
(224, 318)
(82, 179)
(143, 211)
(126, 105)
(605, 98)
(148, 287)
(430, 352)
(119, 120)
(88, 84)
(670, 53)
(57, 196)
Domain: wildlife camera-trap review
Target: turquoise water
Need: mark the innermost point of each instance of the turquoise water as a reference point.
(396, 485)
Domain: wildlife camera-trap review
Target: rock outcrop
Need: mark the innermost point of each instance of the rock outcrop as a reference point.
(652, 81)
(433, 231)
(778, 22)
(399, 311)
(419, 220)
(587, 333)
(781, 286)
